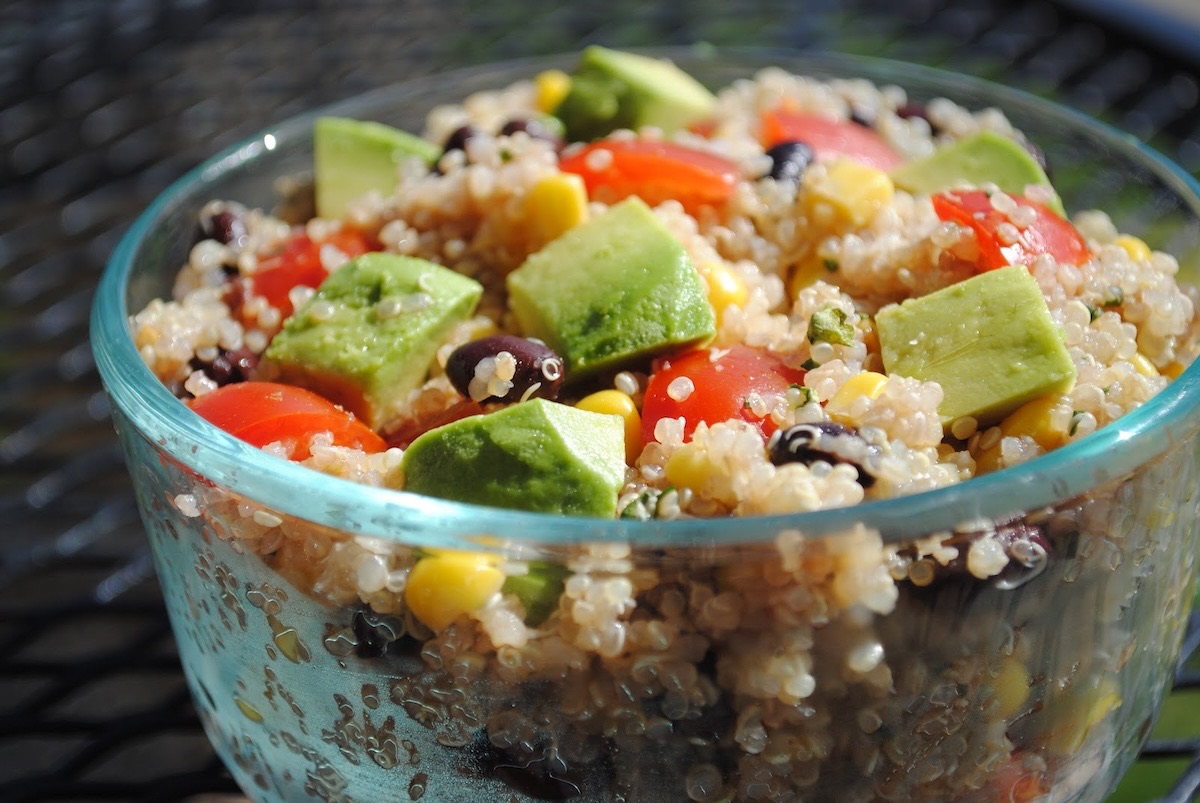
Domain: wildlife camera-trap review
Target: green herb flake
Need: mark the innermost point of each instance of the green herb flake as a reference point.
(830, 264)
(830, 325)
(810, 364)
(1113, 297)
(1093, 312)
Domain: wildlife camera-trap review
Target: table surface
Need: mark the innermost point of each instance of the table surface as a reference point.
(102, 104)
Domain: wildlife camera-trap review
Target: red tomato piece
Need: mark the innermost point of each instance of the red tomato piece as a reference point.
(722, 380)
(299, 264)
(1048, 234)
(654, 171)
(829, 139)
(1017, 783)
(264, 412)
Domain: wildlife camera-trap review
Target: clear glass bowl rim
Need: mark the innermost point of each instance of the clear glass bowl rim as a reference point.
(1112, 452)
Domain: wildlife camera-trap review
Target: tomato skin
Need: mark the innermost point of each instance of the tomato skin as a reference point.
(721, 387)
(654, 171)
(264, 412)
(299, 264)
(1048, 234)
(829, 139)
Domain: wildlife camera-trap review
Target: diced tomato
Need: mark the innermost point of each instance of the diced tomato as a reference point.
(721, 381)
(1048, 234)
(654, 171)
(264, 412)
(1014, 782)
(299, 264)
(828, 138)
(703, 128)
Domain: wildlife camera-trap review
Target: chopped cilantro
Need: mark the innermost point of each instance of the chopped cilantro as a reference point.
(830, 325)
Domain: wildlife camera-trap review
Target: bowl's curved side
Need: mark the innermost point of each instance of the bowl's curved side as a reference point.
(958, 689)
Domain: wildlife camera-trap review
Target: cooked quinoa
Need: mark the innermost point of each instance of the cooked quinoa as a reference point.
(637, 651)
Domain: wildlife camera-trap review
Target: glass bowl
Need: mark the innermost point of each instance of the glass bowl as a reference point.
(769, 658)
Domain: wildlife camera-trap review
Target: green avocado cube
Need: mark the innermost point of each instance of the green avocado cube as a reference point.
(988, 341)
(982, 157)
(538, 590)
(354, 157)
(536, 455)
(611, 89)
(609, 291)
(369, 334)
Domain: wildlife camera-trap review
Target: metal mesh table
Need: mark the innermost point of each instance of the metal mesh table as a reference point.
(103, 104)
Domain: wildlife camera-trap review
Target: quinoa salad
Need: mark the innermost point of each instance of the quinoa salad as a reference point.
(774, 297)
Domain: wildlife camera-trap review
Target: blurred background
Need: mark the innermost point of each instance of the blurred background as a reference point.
(104, 102)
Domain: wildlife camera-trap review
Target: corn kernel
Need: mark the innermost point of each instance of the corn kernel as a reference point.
(1034, 419)
(868, 384)
(614, 402)
(555, 204)
(808, 272)
(854, 190)
(551, 86)
(1079, 713)
(1011, 686)
(724, 287)
(1135, 247)
(1143, 365)
(687, 468)
(1173, 369)
(445, 585)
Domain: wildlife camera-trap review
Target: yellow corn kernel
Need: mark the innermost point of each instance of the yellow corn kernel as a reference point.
(687, 468)
(614, 402)
(854, 190)
(868, 385)
(1011, 686)
(1173, 369)
(551, 86)
(1033, 419)
(1134, 246)
(445, 585)
(724, 287)
(809, 272)
(1143, 365)
(1076, 715)
(554, 205)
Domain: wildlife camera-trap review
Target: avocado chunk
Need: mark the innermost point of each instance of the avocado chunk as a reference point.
(611, 290)
(611, 89)
(989, 341)
(538, 590)
(536, 455)
(982, 157)
(353, 157)
(370, 332)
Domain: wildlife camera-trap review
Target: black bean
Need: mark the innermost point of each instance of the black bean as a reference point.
(535, 128)
(229, 367)
(910, 111)
(1026, 546)
(374, 632)
(223, 222)
(537, 370)
(789, 160)
(823, 441)
(459, 137)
